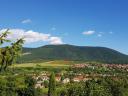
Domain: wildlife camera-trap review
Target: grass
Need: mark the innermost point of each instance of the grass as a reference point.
(40, 65)
(54, 64)
(45, 90)
(48, 64)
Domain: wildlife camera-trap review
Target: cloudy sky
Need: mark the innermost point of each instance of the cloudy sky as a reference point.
(78, 22)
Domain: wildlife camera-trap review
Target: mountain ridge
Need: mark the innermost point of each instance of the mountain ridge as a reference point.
(73, 52)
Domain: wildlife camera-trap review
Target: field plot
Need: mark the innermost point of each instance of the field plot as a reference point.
(46, 64)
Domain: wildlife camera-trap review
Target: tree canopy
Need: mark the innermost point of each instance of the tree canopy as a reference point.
(9, 53)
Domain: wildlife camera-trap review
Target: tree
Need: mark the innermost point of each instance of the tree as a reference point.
(11, 86)
(62, 78)
(46, 84)
(97, 88)
(9, 54)
(52, 85)
(3, 86)
(75, 89)
(30, 90)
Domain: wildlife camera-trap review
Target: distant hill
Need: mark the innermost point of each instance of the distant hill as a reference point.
(71, 52)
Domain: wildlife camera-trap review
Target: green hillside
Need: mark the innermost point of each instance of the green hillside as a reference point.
(70, 52)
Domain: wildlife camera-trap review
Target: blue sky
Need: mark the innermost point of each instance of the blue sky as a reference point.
(78, 22)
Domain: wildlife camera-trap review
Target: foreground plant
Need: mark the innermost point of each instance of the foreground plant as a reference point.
(9, 54)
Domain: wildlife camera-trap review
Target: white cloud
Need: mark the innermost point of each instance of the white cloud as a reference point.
(32, 36)
(55, 40)
(26, 21)
(90, 32)
(100, 34)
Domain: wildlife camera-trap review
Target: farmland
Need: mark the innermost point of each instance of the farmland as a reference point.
(43, 65)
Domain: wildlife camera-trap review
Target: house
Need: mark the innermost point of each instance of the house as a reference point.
(66, 80)
(39, 84)
(44, 78)
(78, 78)
(58, 78)
(86, 79)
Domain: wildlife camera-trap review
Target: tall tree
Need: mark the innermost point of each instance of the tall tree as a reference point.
(52, 85)
(9, 54)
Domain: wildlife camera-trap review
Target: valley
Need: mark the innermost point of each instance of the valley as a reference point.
(69, 72)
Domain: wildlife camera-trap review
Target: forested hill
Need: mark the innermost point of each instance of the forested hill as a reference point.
(71, 52)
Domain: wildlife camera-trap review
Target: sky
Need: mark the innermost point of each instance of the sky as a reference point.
(77, 22)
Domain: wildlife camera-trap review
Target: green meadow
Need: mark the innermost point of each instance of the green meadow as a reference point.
(53, 64)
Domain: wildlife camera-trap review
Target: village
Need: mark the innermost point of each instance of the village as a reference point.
(42, 79)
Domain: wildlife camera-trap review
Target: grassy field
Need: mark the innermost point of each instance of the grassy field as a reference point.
(49, 64)
(45, 64)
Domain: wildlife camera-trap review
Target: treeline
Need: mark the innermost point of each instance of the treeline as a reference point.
(100, 87)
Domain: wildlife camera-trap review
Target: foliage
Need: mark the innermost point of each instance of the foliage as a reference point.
(18, 86)
(46, 83)
(9, 54)
(52, 85)
(100, 87)
(75, 53)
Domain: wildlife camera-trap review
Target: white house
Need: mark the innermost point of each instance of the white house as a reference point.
(66, 80)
